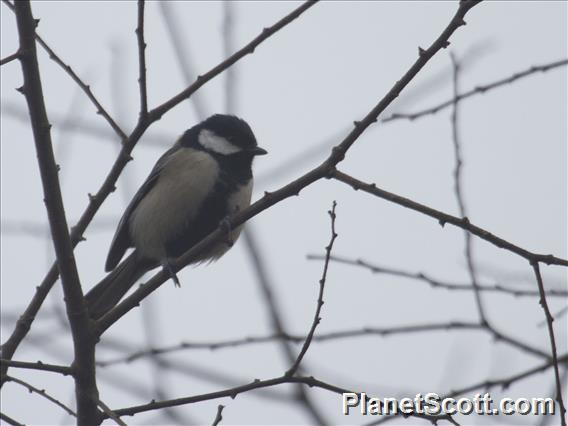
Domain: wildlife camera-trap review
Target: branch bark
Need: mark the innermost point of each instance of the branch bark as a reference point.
(81, 330)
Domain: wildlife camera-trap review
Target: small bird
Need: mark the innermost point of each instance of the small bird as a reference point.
(197, 184)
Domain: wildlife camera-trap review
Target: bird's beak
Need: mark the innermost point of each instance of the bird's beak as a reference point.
(258, 151)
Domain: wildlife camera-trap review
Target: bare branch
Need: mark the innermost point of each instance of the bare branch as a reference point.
(142, 60)
(10, 58)
(444, 218)
(157, 112)
(61, 369)
(10, 420)
(85, 87)
(109, 413)
(42, 393)
(434, 282)
(219, 415)
(549, 320)
(459, 192)
(504, 383)
(256, 384)
(294, 368)
(478, 90)
(82, 333)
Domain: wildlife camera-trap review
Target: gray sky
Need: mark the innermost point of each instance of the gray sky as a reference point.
(301, 88)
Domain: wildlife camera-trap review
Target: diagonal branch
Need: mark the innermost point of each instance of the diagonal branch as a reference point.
(10, 58)
(42, 393)
(444, 218)
(85, 87)
(434, 282)
(478, 90)
(61, 369)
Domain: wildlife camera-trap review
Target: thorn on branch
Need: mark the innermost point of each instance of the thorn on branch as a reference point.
(445, 44)
(421, 51)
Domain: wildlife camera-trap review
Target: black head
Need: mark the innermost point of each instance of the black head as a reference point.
(226, 135)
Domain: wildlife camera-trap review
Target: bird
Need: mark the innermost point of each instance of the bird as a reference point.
(193, 188)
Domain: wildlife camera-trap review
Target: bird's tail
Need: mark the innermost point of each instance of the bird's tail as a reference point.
(107, 293)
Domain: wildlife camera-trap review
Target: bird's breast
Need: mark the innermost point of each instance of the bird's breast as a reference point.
(185, 181)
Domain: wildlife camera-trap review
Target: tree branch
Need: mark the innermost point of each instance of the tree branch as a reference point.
(61, 369)
(42, 393)
(434, 282)
(444, 218)
(549, 320)
(478, 90)
(142, 61)
(82, 333)
(294, 368)
(10, 58)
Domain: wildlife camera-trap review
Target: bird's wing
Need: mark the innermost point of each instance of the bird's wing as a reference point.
(121, 240)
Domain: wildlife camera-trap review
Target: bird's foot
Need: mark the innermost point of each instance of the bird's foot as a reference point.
(226, 227)
(170, 271)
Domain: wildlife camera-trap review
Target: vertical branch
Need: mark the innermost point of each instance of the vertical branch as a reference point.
(219, 415)
(317, 317)
(459, 193)
(549, 320)
(142, 61)
(83, 338)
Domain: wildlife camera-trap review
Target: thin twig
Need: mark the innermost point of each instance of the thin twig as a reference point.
(81, 330)
(254, 385)
(42, 393)
(444, 218)
(549, 320)
(109, 413)
(85, 87)
(10, 58)
(99, 131)
(504, 383)
(10, 420)
(142, 61)
(434, 282)
(157, 112)
(61, 369)
(317, 317)
(334, 335)
(324, 170)
(478, 90)
(219, 415)
(459, 191)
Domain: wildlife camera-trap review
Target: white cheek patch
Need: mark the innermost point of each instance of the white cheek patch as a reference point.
(215, 143)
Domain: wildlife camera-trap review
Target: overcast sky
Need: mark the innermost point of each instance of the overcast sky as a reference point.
(300, 91)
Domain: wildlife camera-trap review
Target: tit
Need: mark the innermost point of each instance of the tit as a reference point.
(204, 178)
